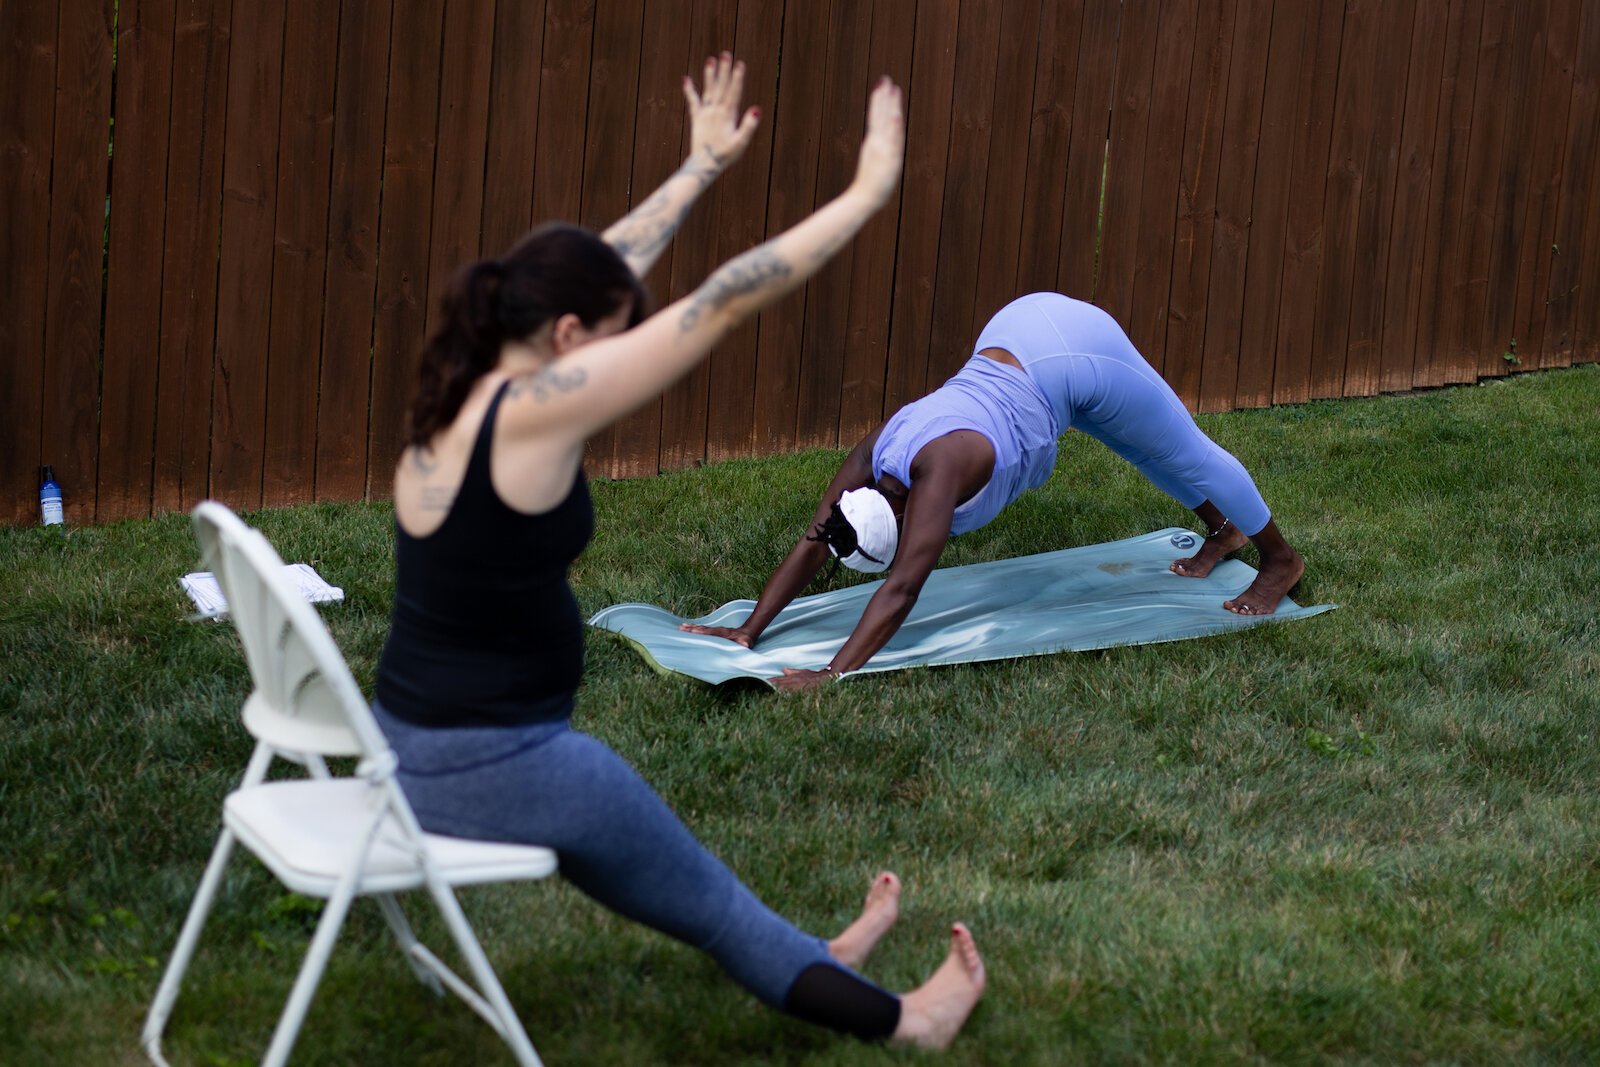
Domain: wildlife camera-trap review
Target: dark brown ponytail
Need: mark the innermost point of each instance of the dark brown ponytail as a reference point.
(557, 269)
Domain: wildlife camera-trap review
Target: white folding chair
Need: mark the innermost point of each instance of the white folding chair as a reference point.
(330, 837)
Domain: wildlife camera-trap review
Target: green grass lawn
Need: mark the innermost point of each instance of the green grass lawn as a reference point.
(1368, 837)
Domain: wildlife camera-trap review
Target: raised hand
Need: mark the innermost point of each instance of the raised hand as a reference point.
(884, 148)
(718, 132)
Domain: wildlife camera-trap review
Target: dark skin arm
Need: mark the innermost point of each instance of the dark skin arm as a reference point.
(805, 559)
(948, 471)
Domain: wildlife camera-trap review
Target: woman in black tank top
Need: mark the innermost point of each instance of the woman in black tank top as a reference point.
(539, 349)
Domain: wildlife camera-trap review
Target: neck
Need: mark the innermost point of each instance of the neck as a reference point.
(522, 357)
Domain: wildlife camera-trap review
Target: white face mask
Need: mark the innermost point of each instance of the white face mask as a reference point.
(877, 532)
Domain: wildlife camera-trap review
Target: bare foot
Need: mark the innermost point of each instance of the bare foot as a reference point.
(880, 911)
(1217, 547)
(932, 1014)
(1272, 584)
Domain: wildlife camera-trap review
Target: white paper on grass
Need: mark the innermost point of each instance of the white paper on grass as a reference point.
(206, 592)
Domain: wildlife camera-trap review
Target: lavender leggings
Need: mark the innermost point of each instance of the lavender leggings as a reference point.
(1095, 379)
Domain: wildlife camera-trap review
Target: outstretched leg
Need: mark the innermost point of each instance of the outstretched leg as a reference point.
(932, 1014)
(882, 908)
(1281, 568)
(1223, 539)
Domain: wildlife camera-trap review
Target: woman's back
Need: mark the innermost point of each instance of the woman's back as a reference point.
(485, 628)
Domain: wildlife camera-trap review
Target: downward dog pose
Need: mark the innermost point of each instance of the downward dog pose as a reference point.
(475, 686)
(950, 462)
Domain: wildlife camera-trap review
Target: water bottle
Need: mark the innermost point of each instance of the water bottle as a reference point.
(50, 498)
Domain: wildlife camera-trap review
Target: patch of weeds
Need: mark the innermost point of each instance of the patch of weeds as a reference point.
(1351, 744)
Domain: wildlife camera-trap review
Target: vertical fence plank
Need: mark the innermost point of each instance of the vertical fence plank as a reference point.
(1586, 329)
(300, 253)
(133, 267)
(1506, 233)
(1354, 108)
(872, 256)
(683, 407)
(1086, 168)
(1379, 163)
(1269, 210)
(563, 109)
(961, 221)
(827, 301)
(999, 243)
(796, 150)
(742, 224)
(344, 377)
(1059, 34)
(458, 176)
(1447, 195)
(1230, 239)
(657, 138)
(1469, 273)
(1563, 342)
(411, 126)
(1151, 282)
(928, 109)
(244, 293)
(27, 129)
(1197, 200)
(1554, 58)
(608, 150)
(1126, 158)
(70, 425)
(200, 53)
(513, 122)
(1303, 244)
(1402, 290)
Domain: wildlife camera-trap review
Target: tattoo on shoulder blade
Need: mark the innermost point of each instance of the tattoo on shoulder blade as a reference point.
(545, 383)
(754, 270)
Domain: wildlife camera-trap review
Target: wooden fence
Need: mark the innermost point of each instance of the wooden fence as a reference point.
(1280, 201)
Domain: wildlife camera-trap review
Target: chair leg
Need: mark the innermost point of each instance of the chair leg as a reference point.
(167, 993)
(510, 1026)
(305, 984)
(396, 919)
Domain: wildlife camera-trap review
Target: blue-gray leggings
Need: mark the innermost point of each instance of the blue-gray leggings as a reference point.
(617, 841)
(1097, 381)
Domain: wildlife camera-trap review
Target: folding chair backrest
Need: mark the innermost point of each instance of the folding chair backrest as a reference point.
(305, 700)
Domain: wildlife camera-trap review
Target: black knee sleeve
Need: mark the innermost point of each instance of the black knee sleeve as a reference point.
(829, 995)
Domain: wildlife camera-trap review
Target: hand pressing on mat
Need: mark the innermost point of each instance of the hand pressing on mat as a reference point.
(797, 679)
(732, 633)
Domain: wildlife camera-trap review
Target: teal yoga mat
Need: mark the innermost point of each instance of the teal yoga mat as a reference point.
(1096, 596)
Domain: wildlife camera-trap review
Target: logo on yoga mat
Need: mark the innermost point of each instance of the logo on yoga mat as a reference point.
(1183, 540)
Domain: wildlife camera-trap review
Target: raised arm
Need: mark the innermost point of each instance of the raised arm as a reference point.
(593, 385)
(719, 134)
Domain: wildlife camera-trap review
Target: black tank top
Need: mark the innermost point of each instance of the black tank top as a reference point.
(486, 630)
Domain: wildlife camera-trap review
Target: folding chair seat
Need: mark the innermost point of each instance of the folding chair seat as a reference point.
(334, 838)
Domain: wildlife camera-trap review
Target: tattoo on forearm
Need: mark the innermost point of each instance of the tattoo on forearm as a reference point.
(757, 269)
(648, 228)
(543, 384)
